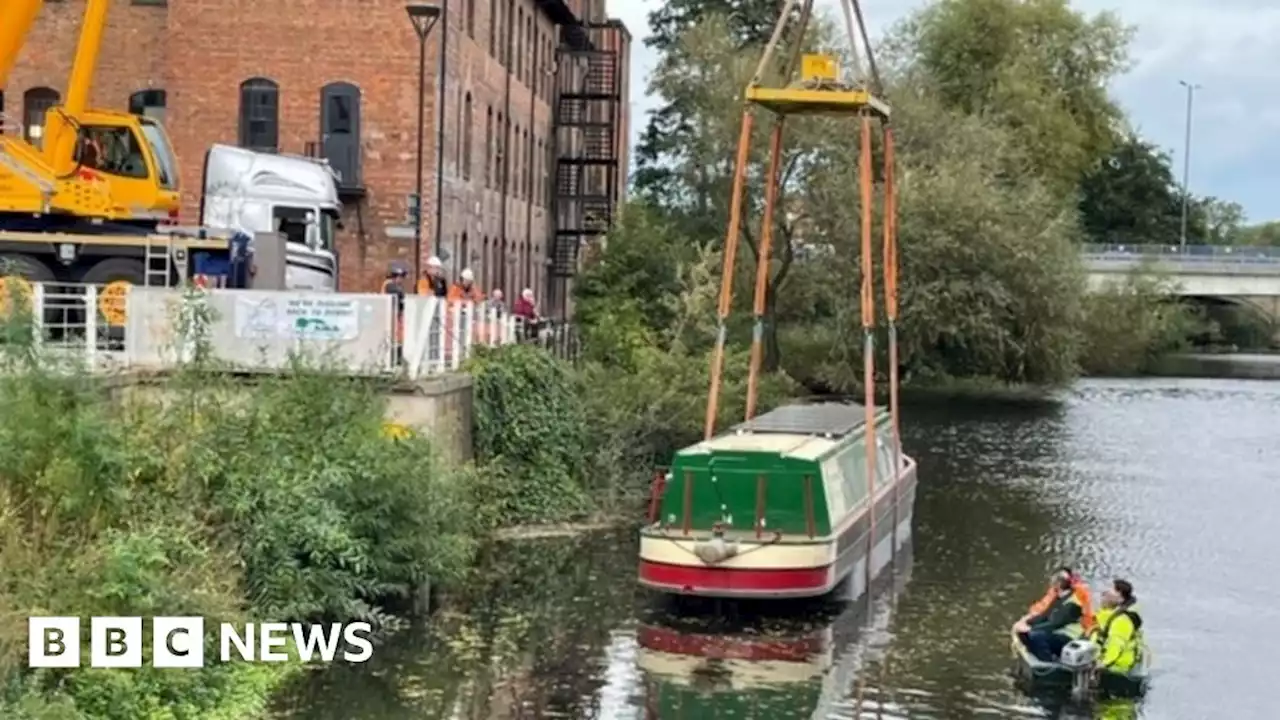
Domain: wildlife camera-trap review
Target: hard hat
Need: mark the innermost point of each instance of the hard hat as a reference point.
(467, 275)
(434, 262)
(398, 269)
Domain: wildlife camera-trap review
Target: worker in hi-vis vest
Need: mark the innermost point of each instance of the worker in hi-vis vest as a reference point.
(1118, 631)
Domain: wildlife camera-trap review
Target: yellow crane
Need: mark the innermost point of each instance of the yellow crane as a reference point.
(91, 165)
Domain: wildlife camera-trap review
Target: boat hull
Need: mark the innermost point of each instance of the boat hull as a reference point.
(1036, 674)
(785, 567)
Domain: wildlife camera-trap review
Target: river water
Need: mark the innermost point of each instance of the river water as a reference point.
(1169, 483)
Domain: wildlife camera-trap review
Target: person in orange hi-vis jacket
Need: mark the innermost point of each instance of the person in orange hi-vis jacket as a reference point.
(466, 291)
(1079, 588)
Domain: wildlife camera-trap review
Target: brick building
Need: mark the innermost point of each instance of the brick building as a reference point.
(339, 79)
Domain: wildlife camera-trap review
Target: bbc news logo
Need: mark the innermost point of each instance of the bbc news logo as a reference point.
(179, 642)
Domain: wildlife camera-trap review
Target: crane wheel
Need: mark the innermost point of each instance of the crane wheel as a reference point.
(17, 273)
(116, 276)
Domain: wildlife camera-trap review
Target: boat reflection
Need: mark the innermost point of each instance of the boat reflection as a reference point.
(756, 662)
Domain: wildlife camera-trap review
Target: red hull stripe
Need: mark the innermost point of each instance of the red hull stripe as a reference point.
(728, 648)
(683, 577)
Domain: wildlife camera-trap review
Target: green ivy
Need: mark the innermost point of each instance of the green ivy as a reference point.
(530, 434)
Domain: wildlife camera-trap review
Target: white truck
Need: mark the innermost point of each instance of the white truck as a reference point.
(294, 195)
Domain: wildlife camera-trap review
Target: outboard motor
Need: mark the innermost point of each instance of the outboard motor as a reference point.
(1080, 657)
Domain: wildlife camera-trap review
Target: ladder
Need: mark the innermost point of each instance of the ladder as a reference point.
(158, 257)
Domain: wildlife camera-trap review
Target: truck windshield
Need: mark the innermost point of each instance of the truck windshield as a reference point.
(166, 163)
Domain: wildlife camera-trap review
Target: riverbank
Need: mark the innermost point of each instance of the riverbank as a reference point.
(1241, 366)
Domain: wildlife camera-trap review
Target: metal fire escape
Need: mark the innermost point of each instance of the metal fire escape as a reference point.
(587, 113)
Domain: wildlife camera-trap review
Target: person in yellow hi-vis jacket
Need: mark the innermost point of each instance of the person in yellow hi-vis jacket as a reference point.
(1118, 629)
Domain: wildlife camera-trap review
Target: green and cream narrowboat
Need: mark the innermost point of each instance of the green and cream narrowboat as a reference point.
(780, 507)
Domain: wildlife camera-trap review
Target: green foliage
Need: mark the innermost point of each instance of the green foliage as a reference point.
(197, 496)
(1039, 68)
(1131, 197)
(530, 435)
(1128, 327)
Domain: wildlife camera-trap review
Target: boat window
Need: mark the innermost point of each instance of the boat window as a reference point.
(884, 462)
(853, 468)
(111, 149)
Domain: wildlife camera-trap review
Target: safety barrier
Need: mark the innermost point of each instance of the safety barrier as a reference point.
(260, 330)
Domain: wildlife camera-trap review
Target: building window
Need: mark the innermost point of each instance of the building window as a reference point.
(464, 253)
(468, 119)
(148, 103)
(493, 28)
(340, 130)
(516, 157)
(533, 50)
(35, 103)
(502, 33)
(519, 33)
(498, 154)
(260, 115)
(528, 167)
(488, 148)
(471, 19)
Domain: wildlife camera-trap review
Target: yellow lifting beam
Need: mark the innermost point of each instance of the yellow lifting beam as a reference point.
(819, 90)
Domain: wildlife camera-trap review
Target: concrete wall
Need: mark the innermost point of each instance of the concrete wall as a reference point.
(439, 407)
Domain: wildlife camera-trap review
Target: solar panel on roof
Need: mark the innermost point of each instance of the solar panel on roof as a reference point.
(816, 419)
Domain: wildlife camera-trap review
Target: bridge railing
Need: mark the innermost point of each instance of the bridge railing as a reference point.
(1227, 254)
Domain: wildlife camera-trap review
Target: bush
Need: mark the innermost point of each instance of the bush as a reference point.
(196, 496)
(1128, 327)
(530, 436)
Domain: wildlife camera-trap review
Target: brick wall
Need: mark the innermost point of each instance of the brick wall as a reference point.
(200, 51)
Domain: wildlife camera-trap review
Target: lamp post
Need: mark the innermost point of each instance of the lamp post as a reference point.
(1186, 160)
(424, 17)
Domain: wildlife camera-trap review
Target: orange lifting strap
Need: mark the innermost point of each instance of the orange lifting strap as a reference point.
(819, 90)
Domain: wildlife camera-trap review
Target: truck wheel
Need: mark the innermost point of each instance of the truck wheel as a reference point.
(115, 276)
(17, 273)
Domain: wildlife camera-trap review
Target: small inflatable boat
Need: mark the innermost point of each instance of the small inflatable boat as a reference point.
(1076, 669)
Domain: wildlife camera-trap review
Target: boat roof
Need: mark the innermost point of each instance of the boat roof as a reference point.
(804, 432)
(834, 419)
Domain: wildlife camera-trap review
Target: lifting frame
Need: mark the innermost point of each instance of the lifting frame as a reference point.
(819, 92)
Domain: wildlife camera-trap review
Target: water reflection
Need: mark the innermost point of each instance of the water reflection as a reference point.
(1165, 482)
(749, 662)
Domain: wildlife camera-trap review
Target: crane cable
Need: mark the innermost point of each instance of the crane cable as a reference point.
(764, 251)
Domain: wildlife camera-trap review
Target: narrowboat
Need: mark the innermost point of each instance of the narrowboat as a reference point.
(780, 507)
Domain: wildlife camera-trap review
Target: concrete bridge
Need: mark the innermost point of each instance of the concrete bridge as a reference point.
(1248, 276)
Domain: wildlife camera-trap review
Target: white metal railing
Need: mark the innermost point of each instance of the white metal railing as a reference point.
(431, 336)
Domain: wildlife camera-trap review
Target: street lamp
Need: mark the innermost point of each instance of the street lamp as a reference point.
(1186, 160)
(424, 17)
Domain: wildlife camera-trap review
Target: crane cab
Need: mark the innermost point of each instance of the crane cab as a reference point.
(132, 155)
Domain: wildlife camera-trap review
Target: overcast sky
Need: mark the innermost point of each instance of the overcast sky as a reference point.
(1229, 47)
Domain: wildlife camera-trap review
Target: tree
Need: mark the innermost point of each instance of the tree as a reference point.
(1214, 222)
(748, 24)
(1267, 233)
(1131, 198)
(1038, 67)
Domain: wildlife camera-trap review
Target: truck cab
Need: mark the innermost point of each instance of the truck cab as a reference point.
(294, 195)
